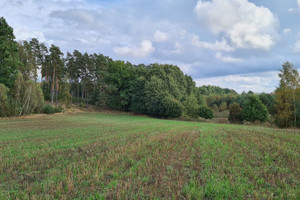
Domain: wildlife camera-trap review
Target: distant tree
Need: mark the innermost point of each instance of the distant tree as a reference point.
(9, 60)
(191, 106)
(268, 100)
(223, 106)
(287, 96)
(215, 90)
(254, 110)
(36, 55)
(205, 112)
(235, 113)
(215, 108)
(56, 64)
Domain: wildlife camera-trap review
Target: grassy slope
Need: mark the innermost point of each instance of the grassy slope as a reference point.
(95, 156)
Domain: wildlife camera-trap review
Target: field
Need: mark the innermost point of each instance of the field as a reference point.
(120, 156)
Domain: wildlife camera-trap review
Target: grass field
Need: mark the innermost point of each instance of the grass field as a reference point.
(119, 156)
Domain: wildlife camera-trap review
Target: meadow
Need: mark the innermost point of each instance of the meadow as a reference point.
(121, 156)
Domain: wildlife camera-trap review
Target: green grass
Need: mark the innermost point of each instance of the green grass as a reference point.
(119, 156)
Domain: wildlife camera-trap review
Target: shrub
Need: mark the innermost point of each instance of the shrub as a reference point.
(165, 106)
(235, 113)
(82, 104)
(48, 109)
(58, 109)
(205, 112)
(254, 110)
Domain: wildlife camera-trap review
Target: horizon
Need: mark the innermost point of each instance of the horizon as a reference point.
(223, 43)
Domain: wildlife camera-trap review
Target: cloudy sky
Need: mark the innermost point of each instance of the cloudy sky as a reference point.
(238, 44)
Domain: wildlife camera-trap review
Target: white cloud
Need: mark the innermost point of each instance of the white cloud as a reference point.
(245, 24)
(160, 36)
(297, 43)
(298, 2)
(141, 51)
(262, 82)
(216, 46)
(23, 33)
(227, 59)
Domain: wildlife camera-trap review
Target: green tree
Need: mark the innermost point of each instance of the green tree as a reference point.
(254, 110)
(268, 100)
(4, 104)
(36, 56)
(205, 112)
(215, 108)
(191, 106)
(56, 64)
(223, 106)
(235, 113)
(287, 95)
(9, 60)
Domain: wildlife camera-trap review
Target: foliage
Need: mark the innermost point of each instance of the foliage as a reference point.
(268, 100)
(48, 109)
(287, 96)
(4, 104)
(283, 107)
(191, 106)
(33, 99)
(223, 106)
(235, 113)
(205, 112)
(215, 108)
(170, 107)
(298, 114)
(254, 110)
(64, 94)
(58, 109)
(215, 90)
(8, 54)
(219, 99)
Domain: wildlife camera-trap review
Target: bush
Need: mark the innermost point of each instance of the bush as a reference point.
(205, 112)
(254, 110)
(235, 113)
(58, 109)
(48, 109)
(171, 108)
(165, 106)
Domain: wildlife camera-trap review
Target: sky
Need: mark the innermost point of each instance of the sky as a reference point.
(237, 44)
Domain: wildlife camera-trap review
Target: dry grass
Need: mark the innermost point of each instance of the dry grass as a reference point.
(118, 156)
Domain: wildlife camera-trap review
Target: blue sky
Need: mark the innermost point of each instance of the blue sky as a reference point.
(239, 44)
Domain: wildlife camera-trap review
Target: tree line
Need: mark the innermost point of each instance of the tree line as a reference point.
(156, 90)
